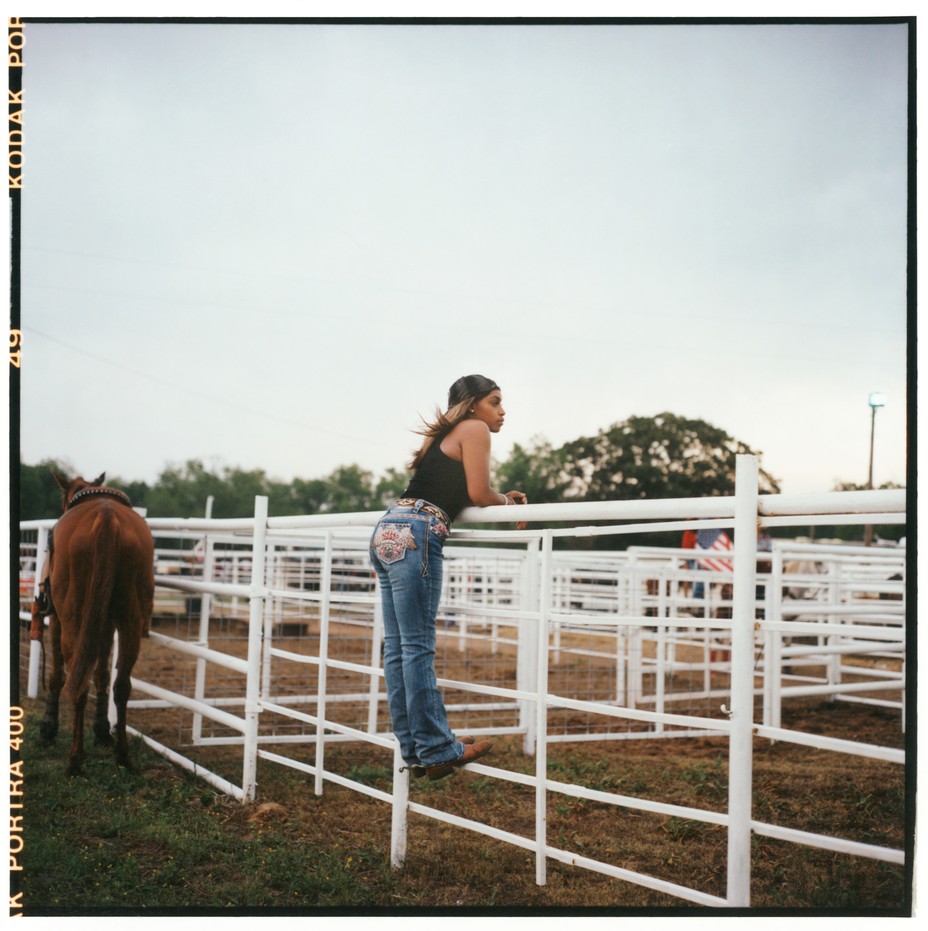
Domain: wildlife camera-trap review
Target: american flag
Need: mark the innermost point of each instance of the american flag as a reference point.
(714, 541)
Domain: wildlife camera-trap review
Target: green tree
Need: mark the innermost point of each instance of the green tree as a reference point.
(350, 488)
(666, 456)
(538, 470)
(855, 486)
(389, 487)
(301, 496)
(137, 491)
(39, 494)
(182, 491)
(239, 490)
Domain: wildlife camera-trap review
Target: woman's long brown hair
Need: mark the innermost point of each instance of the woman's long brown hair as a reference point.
(438, 427)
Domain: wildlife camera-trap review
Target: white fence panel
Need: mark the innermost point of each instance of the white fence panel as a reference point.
(268, 634)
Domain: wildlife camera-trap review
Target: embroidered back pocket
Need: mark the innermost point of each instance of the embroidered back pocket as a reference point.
(391, 542)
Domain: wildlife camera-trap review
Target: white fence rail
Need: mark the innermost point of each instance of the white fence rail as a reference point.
(284, 648)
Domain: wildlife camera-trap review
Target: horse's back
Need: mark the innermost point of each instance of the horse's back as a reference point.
(102, 533)
(82, 528)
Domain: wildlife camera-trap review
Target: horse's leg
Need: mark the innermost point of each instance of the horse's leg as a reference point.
(129, 644)
(76, 754)
(48, 730)
(101, 720)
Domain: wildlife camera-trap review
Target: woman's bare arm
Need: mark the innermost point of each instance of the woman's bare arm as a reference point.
(469, 443)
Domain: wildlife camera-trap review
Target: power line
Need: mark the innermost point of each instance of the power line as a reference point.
(264, 415)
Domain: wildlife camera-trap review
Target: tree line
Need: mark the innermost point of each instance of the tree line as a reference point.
(665, 456)
(183, 491)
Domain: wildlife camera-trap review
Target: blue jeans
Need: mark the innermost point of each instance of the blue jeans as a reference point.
(406, 552)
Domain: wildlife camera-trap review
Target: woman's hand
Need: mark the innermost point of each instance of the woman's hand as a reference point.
(518, 497)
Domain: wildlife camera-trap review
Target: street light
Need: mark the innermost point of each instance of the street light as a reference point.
(876, 400)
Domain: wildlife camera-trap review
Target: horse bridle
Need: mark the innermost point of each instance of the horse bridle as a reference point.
(92, 491)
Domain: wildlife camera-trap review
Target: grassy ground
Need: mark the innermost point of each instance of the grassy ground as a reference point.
(157, 838)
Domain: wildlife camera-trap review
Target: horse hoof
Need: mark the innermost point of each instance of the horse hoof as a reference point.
(74, 768)
(102, 739)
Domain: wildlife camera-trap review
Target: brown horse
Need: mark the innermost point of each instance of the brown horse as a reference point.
(100, 580)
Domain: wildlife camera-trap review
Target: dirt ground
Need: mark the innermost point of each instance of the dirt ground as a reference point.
(798, 787)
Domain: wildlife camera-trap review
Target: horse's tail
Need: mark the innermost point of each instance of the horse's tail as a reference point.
(93, 636)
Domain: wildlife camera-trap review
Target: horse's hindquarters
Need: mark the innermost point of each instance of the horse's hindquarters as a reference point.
(102, 580)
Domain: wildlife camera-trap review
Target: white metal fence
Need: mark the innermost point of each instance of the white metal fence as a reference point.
(267, 633)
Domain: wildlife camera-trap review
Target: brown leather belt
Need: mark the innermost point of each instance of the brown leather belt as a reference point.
(421, 505)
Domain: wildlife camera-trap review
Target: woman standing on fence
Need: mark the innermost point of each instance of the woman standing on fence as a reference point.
(451, 471)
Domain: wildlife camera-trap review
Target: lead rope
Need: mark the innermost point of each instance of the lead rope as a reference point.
(37, 631)
(41, 608)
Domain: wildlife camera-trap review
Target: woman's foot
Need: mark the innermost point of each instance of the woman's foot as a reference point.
(472, 751)
(418, 770)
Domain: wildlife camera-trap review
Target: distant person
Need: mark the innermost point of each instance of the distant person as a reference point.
(689, 542)
(451, 471)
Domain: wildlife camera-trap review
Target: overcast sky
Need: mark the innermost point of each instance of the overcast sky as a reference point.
(275, 246)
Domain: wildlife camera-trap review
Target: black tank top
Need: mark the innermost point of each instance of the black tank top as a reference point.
(441, 481)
